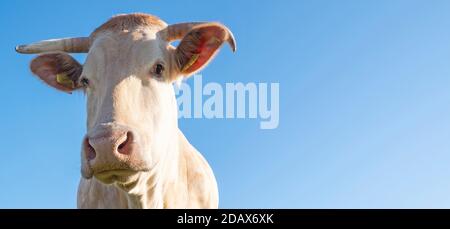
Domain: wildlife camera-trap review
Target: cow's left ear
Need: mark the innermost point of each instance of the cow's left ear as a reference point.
(58, 70)
(199, 46)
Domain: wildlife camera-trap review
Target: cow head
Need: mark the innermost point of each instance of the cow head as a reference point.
(127, 78)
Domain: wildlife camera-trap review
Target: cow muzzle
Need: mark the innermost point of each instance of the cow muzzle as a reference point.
(111, 153)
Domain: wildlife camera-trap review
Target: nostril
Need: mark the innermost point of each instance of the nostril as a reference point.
(125, 147)
(89, 150)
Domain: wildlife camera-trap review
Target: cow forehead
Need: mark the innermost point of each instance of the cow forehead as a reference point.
(124, 54)
(126, 41)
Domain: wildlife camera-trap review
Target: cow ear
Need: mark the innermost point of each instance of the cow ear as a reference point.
(57, 69)
(200, 45)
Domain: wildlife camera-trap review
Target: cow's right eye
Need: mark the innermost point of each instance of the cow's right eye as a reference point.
(84, 82)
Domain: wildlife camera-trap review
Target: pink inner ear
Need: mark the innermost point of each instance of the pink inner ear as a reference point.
(45, 68)
(211, 39)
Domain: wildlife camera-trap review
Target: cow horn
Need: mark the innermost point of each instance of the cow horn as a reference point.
(178, 31)
(71, 45)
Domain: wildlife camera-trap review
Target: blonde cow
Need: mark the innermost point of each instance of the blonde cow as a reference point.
(134, 155)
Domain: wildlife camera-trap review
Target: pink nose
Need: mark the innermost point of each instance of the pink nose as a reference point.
(108, 143)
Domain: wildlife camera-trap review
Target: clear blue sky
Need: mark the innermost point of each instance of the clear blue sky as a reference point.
(364, 103)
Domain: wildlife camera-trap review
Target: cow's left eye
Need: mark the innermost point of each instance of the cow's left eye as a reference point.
(158, 70)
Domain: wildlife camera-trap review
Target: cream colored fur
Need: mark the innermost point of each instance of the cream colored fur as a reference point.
(121, 91)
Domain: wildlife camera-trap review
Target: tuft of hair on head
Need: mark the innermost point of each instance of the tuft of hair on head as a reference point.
(123, 22)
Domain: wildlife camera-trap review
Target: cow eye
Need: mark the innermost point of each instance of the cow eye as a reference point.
(158, 70)
(84, 82)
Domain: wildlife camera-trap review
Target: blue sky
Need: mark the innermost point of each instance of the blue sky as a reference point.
(364, 103)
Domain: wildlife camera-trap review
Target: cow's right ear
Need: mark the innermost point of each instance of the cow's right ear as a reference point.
(57, 69)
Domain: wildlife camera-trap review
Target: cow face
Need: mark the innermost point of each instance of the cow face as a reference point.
(131, 106)
(127, 79)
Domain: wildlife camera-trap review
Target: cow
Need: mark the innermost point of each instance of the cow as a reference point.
(133, 154)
